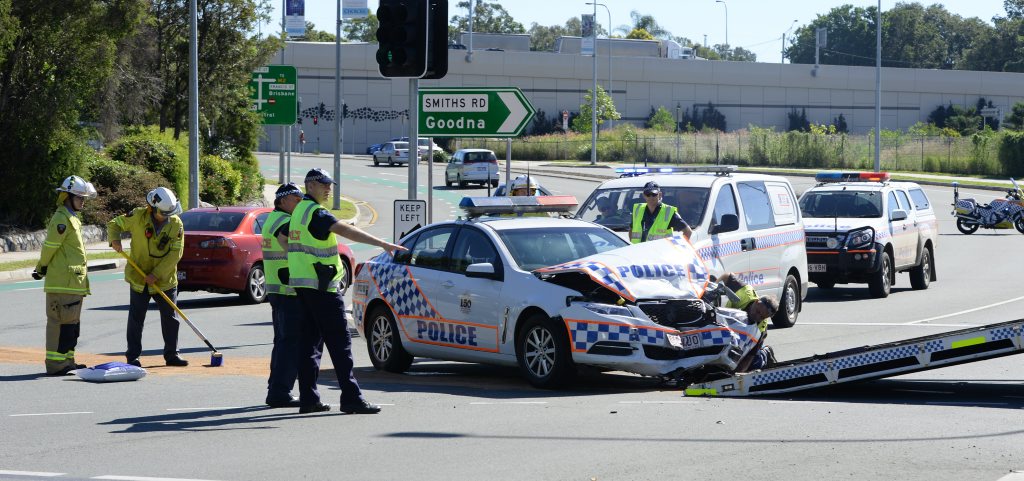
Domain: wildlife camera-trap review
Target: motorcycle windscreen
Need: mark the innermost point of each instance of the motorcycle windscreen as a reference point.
(662, 269)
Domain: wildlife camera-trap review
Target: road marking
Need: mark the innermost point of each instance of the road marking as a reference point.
(658, 402)
(144, 478)
(1008, 301)
(50, 414)
(951, 403)
(30, 473)
(204, 409)
(488, 403)
(890, 324)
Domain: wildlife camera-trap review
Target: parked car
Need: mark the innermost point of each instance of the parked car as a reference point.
(392, 153)
(747, 224)
(471, 165)
(223, 252)
(375, 147)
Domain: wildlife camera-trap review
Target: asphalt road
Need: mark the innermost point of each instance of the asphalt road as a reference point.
(462, 421)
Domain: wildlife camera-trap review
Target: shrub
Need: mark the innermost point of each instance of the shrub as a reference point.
(661, 120)
(120, 187)
(440, 156)
(1011, 154)
(222, 183)
(158, 152)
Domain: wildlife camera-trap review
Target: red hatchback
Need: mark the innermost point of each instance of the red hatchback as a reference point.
(223, 253)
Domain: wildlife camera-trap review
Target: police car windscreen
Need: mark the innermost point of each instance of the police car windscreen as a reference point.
(613, 208)
(848, 204)
(535, 248)
(211, 221)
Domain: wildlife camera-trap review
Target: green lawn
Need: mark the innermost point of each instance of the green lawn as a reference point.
(23, 264)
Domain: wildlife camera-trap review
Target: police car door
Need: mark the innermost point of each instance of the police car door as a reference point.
(904, 235)
(470, 303)
(721, 250)
(763, 252)
(420, 319)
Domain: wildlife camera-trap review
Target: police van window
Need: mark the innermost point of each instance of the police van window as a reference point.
(893, 204)
(920, 200)
(429, 250)
(725, 204)
(473, 247)
(904, 201)
(756, 205)
(257, 224)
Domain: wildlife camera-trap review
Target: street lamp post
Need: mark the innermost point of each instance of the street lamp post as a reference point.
(726, 5)
(609, 50)
(679, 120)
(878, 88)
(593, 96)
(783, 58)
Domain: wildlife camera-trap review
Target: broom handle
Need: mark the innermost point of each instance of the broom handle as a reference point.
(169, 301)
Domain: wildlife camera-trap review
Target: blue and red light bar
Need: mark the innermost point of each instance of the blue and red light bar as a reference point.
(833, 177)
(558, 204)
(714, 169)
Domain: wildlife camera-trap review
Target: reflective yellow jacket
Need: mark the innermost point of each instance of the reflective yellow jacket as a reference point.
(63, 255)
(155, 251)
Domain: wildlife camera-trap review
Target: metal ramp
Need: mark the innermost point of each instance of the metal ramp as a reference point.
(872, 362)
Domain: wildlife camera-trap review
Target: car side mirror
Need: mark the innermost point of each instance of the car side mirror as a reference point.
(482, 270)
(898, 214)
(729, 223)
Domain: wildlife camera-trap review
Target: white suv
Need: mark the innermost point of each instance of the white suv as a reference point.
(746, 224)
(862, 228)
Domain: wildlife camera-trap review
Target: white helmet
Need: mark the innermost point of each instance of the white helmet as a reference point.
(524, 182)
(76, 185)
(163, 200)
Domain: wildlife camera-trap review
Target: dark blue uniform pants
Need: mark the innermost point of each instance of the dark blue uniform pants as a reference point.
(138, 304)
(284, 358)
(324, 321)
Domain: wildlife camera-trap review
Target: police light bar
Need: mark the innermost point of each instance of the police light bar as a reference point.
(558, 204)
(711, 169)
(833, 177)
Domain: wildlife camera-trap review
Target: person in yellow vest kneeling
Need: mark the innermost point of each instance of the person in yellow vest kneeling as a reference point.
(655, 220)
(315, 272)
(62, 262)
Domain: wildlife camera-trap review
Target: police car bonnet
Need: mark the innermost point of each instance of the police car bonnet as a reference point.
(662, 269)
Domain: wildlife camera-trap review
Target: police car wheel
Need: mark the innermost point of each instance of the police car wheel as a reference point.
(1019, 224)
(543, 353)
(255, 285)
(966, 227)
(384, 344)
(789, 305)
(921, 275)
(881, 283)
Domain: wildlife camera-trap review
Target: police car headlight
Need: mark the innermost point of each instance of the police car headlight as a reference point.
(607, 309)
(860, 238)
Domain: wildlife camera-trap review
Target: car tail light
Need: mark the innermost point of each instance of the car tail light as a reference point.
(359, 268)
(220, 242)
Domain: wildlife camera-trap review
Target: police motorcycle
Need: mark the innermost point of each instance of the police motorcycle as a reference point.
(1005, 213)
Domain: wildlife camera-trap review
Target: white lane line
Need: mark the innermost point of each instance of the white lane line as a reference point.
(30, 473)
(50, 414)
(964, 404)
(1008, 301)
(658, 402)
(393, 175)
(805, 402)
(890, 324)
(144, 478)
(488, 403)
(204, 409)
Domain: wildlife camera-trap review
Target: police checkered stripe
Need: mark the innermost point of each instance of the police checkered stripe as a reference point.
(775, 240)
(876, 357)
(275, 256)
(323, 253)
(1008, 332)
(399, 290)
(721, 337)
(650, 336)
(357, 310)
(882, 234)
(965, 204)
(784, 374)
(585, 334)
(721, 250)
(598, 271)
(934, 346)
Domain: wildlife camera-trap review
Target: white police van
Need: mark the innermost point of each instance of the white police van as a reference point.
(863, 228)
(743, 223)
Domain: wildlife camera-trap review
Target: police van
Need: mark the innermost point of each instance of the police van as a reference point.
(864, 228)
(743, 223)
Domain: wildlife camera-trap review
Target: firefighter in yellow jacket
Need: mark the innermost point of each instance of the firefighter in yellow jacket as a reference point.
(62, 262)
(157, 245)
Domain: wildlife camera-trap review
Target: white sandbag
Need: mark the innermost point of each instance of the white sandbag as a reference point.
(111, 372)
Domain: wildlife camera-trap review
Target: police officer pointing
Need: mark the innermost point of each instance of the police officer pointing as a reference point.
(655, 220)
(315, 272)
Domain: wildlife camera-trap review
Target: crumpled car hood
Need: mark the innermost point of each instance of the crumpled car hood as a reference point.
(662, 269)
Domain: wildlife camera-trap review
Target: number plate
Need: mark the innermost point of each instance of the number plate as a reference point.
(181, 275)
(684, 341)
(815, 267)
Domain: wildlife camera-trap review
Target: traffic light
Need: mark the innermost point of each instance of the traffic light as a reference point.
(437, 43)
(402, 38)
(315, 120)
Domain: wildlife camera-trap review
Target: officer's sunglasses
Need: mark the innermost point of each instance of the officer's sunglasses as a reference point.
(650, 194)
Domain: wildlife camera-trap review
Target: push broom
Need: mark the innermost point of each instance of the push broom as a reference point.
(216, 358)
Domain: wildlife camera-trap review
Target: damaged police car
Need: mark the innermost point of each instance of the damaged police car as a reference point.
(545, 294)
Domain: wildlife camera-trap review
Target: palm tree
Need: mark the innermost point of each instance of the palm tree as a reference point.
(644, 22)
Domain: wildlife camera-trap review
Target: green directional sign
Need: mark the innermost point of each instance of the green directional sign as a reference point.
(272, 90)
(473, 112)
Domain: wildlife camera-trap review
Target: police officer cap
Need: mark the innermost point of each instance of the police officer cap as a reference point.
(319, 175)
(651, 188)
(287, 189)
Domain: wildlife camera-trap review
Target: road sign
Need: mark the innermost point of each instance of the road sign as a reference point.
(272, 90)
(409, 216)
(354, 9)
(990, 112)
(473, 112)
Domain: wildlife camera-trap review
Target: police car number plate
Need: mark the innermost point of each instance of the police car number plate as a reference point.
(684, 341)
(815, 267)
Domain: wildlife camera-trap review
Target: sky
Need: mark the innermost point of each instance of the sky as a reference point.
(756, 25)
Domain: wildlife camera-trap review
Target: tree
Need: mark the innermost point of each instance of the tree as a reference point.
(661, 120)
(314, 35)
(489, 18)
(640, 34)
(605, 111)
(542, 38)
(360, 29)
(1015, 119)
(851, 28)
(647, 23)
(798, 121)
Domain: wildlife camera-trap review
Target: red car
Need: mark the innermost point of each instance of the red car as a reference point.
(223, 253)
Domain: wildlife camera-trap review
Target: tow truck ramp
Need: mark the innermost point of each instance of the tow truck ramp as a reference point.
(872, 362)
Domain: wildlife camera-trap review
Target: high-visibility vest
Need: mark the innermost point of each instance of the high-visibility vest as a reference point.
(305, 252)
(660, 228)
(63, 255)
(275, 257)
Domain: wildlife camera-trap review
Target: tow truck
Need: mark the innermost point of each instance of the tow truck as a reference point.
(871, 362)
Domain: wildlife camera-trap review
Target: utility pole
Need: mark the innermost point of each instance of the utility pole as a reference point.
(337, 111)
(593, 95)
(878, 88)
(193, 107)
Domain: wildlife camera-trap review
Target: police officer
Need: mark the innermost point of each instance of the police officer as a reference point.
(654, 219)
(157, 247)
(757, 309)
(284, 305)
(62, 262)
(315, 272)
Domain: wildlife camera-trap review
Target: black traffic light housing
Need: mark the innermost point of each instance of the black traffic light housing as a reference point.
(412, 38)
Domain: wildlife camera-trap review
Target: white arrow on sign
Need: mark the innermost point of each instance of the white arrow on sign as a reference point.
(517, 112)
